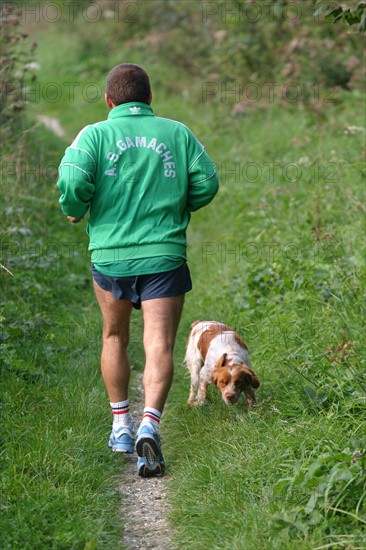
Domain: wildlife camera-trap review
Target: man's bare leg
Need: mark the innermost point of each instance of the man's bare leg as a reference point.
(116, 327)
(115, 367)
(161, 320)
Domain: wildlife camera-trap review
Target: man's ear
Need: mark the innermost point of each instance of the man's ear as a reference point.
(108, 101)
(149, 99)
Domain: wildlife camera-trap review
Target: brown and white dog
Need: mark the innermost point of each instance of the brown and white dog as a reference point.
(217, 355)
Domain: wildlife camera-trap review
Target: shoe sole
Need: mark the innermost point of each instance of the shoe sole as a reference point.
(147, 447)
(126, 450)
(146, 471)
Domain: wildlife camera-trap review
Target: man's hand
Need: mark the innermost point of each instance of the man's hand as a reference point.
(73, 220)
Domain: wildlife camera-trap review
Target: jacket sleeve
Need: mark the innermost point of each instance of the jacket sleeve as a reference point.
(203, 182)
(77, 174)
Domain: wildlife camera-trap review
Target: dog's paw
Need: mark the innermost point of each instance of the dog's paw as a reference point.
(251, 403)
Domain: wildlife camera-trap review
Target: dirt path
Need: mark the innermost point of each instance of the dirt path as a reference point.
(53, 124)
(145, 507)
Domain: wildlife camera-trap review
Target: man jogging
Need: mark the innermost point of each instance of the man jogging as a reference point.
(140, 176)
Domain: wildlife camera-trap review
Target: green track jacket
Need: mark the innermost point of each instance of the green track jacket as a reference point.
(141, 176)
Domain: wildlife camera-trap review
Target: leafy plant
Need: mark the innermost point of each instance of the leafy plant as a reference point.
(330, 487)
(353, 16)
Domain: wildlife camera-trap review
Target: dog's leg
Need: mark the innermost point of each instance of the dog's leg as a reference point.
(194, 364)
(250, 397)
(192, 400)
(202, 388)
(195, 380)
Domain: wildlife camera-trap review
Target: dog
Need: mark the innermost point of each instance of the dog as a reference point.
(217, 355)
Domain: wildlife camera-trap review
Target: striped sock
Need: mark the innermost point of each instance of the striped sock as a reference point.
(151, 416)
(121, 414)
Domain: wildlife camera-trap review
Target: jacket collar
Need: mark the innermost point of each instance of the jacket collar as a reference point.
(133, 108)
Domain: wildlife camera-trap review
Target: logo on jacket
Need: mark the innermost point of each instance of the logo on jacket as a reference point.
(135, 110)
(110, 172)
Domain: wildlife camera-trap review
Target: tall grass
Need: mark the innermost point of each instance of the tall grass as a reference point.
(282, 263)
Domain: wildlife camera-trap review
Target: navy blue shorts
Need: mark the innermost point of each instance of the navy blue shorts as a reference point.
(139, 288)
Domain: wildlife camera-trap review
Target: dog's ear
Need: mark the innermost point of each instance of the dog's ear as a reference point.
(221, 362)
(254, 380)
(248, 377)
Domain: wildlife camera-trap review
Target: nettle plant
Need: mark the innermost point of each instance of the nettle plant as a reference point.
(329, 486)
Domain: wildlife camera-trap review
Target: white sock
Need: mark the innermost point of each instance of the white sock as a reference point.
(121, 415)
(151, 416)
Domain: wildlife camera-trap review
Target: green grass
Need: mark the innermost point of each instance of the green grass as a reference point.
(59, 483)
(284, 265)
(280, 259)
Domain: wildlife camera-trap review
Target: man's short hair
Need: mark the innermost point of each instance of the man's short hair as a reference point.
(128, 82)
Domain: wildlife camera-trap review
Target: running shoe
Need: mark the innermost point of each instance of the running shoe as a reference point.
(122, 441)
(150, 460)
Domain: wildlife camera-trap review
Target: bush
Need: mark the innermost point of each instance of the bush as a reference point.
(15, 69)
